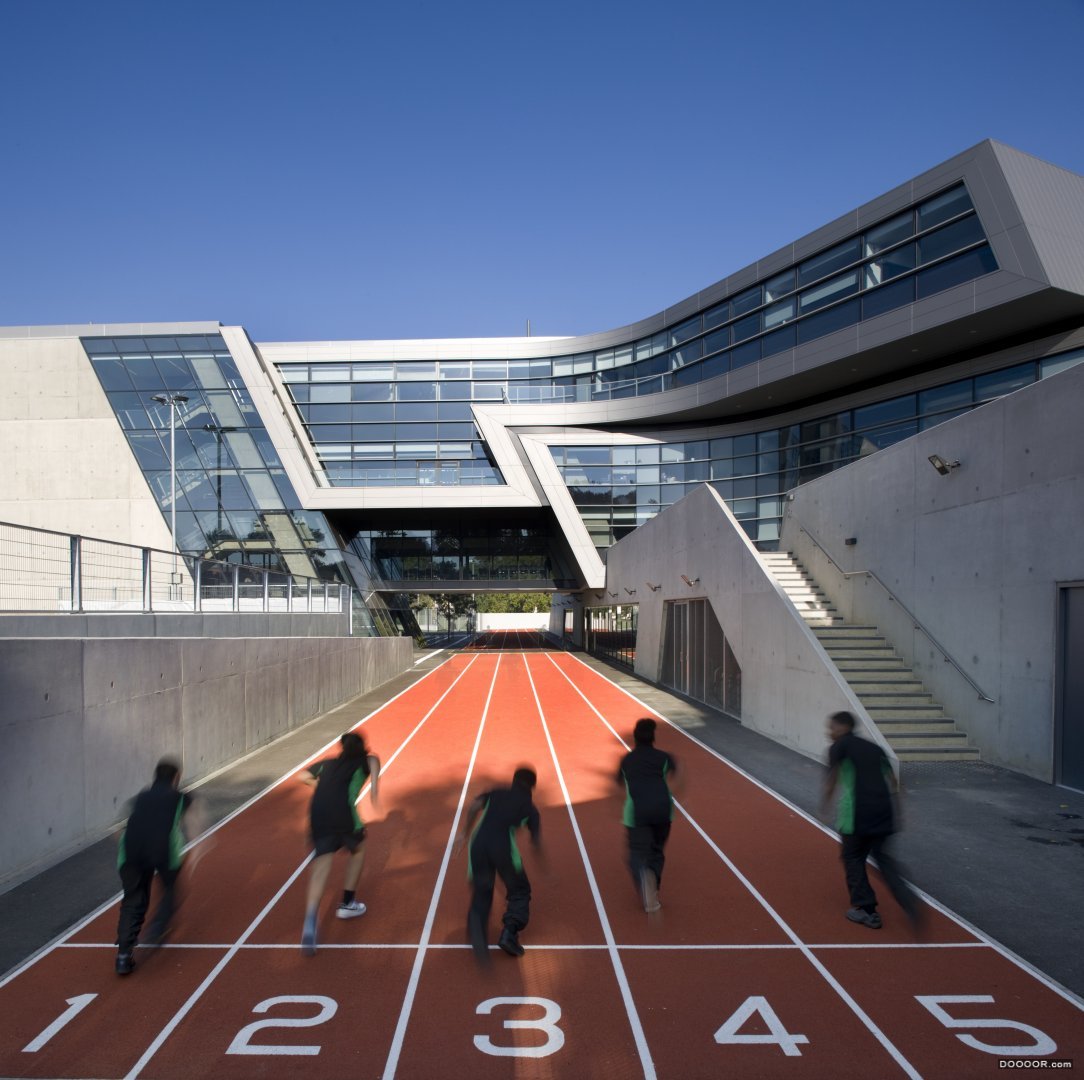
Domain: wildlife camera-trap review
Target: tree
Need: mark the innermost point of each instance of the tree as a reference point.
(451, 606)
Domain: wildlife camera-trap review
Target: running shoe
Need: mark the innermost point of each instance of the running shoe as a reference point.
(308, 936)
(351, 910)
(125, 964)
(649, 890)
(509, 941)
(865, 918)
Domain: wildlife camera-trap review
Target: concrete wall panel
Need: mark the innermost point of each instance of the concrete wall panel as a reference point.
(976, 556)
(70, 761)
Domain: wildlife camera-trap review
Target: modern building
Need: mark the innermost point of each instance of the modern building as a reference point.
(496, 463)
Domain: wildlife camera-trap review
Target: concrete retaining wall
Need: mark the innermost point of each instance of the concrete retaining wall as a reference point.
(788, 684)
(976, 555)
(82, 722)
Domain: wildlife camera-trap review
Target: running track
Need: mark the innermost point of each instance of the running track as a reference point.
(750, 970)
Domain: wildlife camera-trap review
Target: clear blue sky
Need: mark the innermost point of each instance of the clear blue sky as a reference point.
(333, 170)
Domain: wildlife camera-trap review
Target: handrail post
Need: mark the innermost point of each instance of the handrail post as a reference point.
(267, 590)
(289, 592)
(309, 590)
(76, 573)
(197, 580)
(236, 588)
(325, 597)
(148, 581)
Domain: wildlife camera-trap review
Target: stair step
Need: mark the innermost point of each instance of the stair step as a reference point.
(853, 652)
(909, 740)
(852, 630)
(885, 711)
(895, 684)
(882, 698)
(936, 754)
(872, 665)
(908, 726)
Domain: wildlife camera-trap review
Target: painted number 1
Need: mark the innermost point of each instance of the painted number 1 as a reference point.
(75, 1006)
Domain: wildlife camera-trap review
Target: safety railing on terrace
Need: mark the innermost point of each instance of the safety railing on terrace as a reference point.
(45, 571)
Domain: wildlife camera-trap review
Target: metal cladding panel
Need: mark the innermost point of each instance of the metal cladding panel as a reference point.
(1051, 204)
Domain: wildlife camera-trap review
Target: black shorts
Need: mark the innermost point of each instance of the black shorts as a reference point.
(324, 843)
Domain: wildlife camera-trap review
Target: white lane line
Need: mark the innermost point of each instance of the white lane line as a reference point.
(619, 968)
(396, 1049)
(970, 927)
(187, 1007)
(832, 981)
(658, 947)
(74, 929)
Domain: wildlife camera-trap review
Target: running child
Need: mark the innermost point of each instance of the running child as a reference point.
(335, 824)
(491, 822)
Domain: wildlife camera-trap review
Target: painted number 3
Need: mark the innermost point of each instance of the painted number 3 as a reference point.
(546, 1024)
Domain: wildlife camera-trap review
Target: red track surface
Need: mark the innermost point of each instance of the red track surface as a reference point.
(750, 970)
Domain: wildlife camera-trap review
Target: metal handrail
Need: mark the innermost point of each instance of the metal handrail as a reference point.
(916, 622)
(143, 578)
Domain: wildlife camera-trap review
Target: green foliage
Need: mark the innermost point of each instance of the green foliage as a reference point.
(513, 602)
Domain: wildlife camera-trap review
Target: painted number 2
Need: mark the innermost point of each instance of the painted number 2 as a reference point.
(242, 1043)
(546, 1023)
(1041, 1044)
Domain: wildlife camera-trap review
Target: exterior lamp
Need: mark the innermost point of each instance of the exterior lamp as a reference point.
(941, 465)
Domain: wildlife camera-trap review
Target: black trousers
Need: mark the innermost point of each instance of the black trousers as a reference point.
(136, 881)
(856, 849)
(487, 864)
(646, 843)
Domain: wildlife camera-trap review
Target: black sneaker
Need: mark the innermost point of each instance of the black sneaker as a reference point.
(125, 964)
(510, 942)
(864, 918)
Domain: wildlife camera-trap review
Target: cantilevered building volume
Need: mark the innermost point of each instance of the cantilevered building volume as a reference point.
(497, 463)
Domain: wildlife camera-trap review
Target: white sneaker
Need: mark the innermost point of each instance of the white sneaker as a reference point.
(351, 910)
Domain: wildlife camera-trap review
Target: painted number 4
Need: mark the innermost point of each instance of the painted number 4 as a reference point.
(777, 1035)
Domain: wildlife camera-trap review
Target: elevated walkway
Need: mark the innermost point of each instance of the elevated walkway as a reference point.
(914, 724)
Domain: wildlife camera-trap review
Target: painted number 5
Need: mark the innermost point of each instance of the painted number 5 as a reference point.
(546, 1023)
(1042, 1044)
(242, 1040)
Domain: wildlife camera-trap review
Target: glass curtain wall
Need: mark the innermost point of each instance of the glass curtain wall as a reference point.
(697, 660)
(616, 488)
(611, 633)
(233, 499)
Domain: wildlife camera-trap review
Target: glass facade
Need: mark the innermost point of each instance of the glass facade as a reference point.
(697, 659)
(494, 553)
(233, 499)
(383, 423)
(610, 633)
(618, 487)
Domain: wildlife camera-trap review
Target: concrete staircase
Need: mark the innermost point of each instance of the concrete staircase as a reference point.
(902, 708)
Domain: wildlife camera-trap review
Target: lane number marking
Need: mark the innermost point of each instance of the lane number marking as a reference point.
(242, 1041)
(75, 1006)
(546, 1023)
(1041, 1045)
(777, 1034)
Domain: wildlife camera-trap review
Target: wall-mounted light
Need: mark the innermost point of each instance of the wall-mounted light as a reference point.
(613, 593)
(851, 541)
(692, 582)
(653, 588)
(941, 465)
(631, 592)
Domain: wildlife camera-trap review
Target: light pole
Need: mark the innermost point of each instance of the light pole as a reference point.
(172, 400)
(218, 430)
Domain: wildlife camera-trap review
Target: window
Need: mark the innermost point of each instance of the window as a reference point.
(944, 206)
(890, 232)
(962, 268)
(888, 298)
(959, 234)
(889, 266)
(821, 295)
(1004, 382)
(778, 314)
(828, 262)
(748, 353)
(778, 286)
(746, 301)
(746, 328)
(900, 408)
(827, 322)
(684, 331)
(716, 315)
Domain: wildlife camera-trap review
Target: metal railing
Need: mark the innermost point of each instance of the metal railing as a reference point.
(43, 571)
(916, 622)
